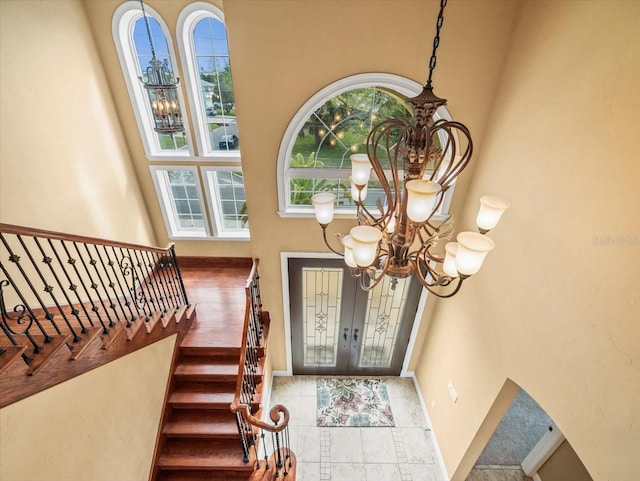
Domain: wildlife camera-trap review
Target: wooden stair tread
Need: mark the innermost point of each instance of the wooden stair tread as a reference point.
(203, 455)
(11, 354)
(195, 423)
(205, 396)
(49, 352)
(201, 348)
(78, 348)
(202, 476)
(205, 367)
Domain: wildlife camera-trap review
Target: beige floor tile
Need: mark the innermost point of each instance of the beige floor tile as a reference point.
(377, 445)
(308, 472)
(382, 472)
(346, 445)
(348, 472)
(425, 472)
(418, 445)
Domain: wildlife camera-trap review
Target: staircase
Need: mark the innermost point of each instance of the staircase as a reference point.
(219, 363)
(70, 303)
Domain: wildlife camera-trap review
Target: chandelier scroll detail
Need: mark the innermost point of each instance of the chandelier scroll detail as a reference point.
(416, 162)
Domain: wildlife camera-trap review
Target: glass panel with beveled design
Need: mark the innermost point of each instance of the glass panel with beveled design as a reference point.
(385, 308)
(322, 297)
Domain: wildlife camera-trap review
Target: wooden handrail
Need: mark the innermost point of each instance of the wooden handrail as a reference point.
(30, 231)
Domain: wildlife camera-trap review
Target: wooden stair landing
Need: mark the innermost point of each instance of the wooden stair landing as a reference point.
(199, 437)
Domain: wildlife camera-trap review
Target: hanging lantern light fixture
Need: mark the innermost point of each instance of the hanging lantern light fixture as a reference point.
(162, 90)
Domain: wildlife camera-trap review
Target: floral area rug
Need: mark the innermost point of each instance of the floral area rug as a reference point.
(353, 402)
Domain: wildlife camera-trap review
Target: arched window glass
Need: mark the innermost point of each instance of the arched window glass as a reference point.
(205, 55)
(335, 123)
(134, 51)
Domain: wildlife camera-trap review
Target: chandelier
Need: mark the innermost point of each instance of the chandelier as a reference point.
(162, 90)
(397, 237)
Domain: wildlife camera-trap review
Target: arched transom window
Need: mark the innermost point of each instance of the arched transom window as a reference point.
(335, 123)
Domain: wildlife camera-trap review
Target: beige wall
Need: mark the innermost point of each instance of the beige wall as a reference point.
(64, 163)
(564, 465)
(555, 308)
(100, 426)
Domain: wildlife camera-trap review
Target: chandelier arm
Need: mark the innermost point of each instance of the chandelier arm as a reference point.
(442, 281)
(372, 219)
(455, 168)
(326, 241)
(373, 143)
(375, 280)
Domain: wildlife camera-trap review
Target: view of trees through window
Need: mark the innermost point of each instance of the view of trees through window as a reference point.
(212, 55)
(337, 129)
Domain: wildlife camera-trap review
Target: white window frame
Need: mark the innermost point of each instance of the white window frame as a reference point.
(168, 207)
(213, 197)
(402, 85)
(187, 21)
(122, 26)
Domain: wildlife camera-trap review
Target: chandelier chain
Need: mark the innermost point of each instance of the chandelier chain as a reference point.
(146, 22)
(436, 41)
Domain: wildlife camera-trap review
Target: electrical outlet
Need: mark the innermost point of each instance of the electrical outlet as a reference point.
(452, 391)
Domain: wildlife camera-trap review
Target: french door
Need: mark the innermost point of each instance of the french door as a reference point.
(338, 328)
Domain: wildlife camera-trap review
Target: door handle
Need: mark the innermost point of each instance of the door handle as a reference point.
(345, 335)
(355, 335)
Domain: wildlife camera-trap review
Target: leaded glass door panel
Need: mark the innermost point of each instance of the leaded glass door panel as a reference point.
(337, 328)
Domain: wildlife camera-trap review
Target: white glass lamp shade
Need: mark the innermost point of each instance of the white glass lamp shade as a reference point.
(472, 249)
(421, 195)
(360, 168)
(491, 209)
(449, 266)
(358, 195)
(365, 244)
(347, 242)
(323, 203)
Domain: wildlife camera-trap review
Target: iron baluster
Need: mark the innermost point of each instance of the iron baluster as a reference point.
(123, 295)
(243, 440)
(47, 288)
(124, 273)
(93, 262)
(166, 284)
(161, 281)
(143, 285)
(16, 261)
(71, 261)
(153, 278)
(129, 271)
(93, 286)
(178, 275)
(112, 285)
(173, 288)
(72, 288)
(21, 308)
(47, 260)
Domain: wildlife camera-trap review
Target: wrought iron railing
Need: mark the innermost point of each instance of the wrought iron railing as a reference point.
(55, 285)
(272, 454)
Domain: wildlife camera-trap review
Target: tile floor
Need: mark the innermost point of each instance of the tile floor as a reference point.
(402, 453)
(497, 473)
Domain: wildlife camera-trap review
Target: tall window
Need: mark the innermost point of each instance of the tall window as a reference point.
(331, 126)
(197, 201)
(134, 51)
(205, 57)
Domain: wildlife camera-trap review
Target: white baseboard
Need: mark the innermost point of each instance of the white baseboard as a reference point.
(542, 451)
(423, 405)
(281, 373)
(536, 477)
